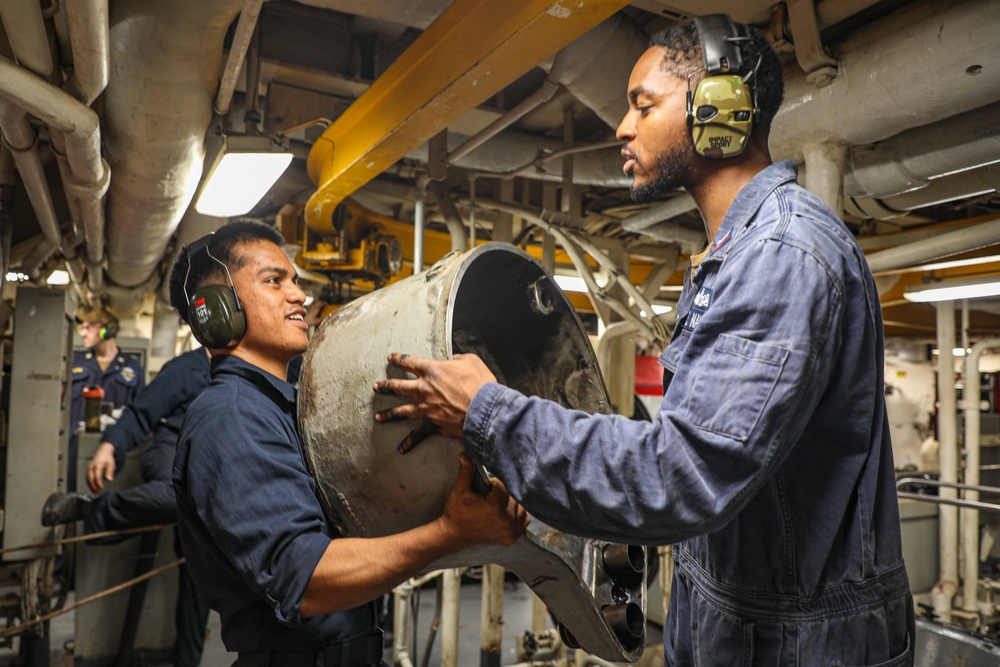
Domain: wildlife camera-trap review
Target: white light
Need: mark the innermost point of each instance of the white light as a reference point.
(956, 352)
(16, 277)
(571, 283)
(950, 291)
(58, 277)
(660, 309)
(239, 181)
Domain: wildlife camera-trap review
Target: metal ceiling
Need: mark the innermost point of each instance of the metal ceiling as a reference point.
(891, 103)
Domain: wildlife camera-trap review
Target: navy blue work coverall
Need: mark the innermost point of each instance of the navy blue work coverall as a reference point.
(122, 381)
(158, 409)
(251, 522)
(768, 464)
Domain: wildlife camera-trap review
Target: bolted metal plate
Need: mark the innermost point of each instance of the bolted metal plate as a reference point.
(499, 303)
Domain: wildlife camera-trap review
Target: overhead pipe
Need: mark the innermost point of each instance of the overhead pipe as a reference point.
(91, 48)
(22, 143)
(526, 106)
(944, 590)
(909, 160)
(972, 237)
(175, 48)
(970, 516)
(419, 224)
(962, 185)
(870, 63)
(245, 28)
(452, 218)
(89, 174)
(547, 156)
(25, 27)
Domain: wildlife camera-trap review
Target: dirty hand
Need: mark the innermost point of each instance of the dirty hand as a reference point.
(471, 518)
(102, 467)
(441, 392)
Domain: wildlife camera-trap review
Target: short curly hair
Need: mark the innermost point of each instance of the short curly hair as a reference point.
(193, 271)
(683, 56)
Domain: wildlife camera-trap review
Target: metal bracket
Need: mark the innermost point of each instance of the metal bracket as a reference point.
(820, 68)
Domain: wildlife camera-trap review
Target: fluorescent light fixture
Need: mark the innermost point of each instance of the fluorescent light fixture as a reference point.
(659, 309)
(954, 289)
(243, 171)
(955, 352)
(571, 283)
(58, 277)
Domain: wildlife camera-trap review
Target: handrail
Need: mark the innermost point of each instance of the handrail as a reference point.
(972, 504)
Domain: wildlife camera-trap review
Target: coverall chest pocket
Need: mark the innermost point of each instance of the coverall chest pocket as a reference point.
(731, 390)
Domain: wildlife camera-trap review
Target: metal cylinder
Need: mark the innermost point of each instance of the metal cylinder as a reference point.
(627, 621)
(499, 303)
(624, 562)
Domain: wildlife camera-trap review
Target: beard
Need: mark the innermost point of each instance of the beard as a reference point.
(672, 169)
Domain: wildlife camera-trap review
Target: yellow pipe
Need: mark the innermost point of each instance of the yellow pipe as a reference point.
(471, 52)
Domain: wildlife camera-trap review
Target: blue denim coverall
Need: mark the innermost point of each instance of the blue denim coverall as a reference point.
(768, 464)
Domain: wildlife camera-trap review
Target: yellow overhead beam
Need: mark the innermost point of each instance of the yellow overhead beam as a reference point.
(471, 52)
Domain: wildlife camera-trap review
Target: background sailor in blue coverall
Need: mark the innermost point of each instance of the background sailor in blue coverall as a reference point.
(159, 409)
(101, 364)
(768, 464)
(291, 592)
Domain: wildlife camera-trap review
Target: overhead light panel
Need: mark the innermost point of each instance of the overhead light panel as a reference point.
(570, 283)
(954, 289)
(58, 277)
(244, 169)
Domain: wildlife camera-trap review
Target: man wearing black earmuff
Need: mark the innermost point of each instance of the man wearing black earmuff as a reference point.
(290, 591)
(768, 464)
(102, 365)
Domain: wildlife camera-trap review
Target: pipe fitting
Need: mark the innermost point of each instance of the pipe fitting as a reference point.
(627, 621)
(624, 562)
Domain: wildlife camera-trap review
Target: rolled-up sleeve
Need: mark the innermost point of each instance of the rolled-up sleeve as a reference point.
(256, 499)
(747, 379)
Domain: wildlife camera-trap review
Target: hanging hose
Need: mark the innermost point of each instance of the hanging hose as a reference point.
(18, 629)
(85, 538)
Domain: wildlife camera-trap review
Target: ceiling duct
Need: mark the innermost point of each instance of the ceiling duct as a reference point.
(158, 107)
(925, 62)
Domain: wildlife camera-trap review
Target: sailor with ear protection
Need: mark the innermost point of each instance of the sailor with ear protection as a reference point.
(103, 365)
(769, 464)
(291, 591)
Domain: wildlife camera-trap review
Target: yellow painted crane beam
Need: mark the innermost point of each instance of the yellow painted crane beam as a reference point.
(471, 52)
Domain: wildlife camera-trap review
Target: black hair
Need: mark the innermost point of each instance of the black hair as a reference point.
(199, 269)
(683, 56)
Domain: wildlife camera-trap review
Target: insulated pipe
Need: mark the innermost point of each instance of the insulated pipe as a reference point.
(910, 159)
(419, 223)
(491, 619)
(452, 218)
(90, 43)
(970, 238)
(530, 103)
(962, 185)
(450, 599)
(78, 126)
(970, 517)
(237, 53)
(945, 589)
(22, 144)
(888, 65)
(825, 173)
(175, 49)
(25, 27)
(166, 324)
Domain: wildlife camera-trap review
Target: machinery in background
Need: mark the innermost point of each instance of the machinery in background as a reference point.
(360, 249)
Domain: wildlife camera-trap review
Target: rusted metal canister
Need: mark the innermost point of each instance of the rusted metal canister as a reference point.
(497, 302)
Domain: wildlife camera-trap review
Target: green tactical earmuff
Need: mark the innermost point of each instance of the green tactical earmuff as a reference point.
(215, 313)
(721, 108)
(108, 330)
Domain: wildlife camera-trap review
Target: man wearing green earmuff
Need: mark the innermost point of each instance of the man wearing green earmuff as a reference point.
(103, 365)
(769, 464)
(291, 591)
